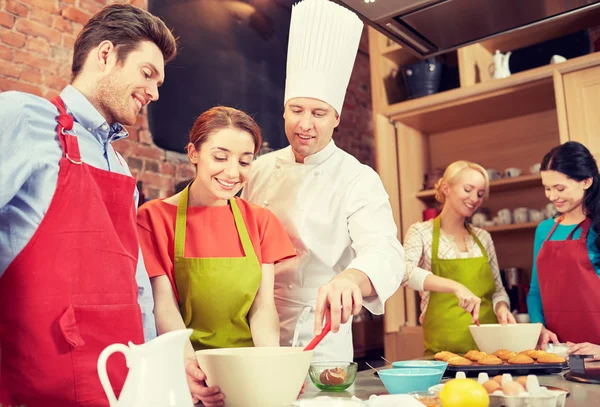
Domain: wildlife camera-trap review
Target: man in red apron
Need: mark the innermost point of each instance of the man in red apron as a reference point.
(71, 289)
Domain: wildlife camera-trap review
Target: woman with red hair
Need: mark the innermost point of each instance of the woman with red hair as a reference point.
(210, 255)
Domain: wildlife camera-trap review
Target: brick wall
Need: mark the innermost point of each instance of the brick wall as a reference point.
(355, 133)
(36, 42)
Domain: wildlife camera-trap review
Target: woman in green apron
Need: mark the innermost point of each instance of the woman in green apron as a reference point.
(210, 255)
(452, 249)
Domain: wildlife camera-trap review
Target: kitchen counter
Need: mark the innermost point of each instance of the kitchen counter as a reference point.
(367, 384)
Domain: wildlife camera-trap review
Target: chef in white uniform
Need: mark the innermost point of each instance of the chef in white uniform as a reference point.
(335, 209)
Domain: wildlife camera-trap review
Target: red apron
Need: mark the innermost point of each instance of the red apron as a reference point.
(72, 290)
(569, 287)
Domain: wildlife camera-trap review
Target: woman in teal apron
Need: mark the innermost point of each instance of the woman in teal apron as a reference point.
(454, 250)
(210, 255)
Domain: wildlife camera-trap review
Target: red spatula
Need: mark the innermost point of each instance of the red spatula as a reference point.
(319, 337)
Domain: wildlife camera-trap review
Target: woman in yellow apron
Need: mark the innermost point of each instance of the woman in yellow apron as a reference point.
(210, 255)
(451, 249)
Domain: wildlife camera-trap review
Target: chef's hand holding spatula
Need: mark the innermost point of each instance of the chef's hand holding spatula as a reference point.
(341, 298)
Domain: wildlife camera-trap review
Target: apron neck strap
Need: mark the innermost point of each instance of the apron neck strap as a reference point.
(556, 222)
(435, 243)
(69, 143)
(585, 227)
(241, 228)
(437, 222)
(181, 219)
(477, 241)
(180, 222)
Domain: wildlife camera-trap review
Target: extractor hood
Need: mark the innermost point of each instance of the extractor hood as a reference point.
(432, 27)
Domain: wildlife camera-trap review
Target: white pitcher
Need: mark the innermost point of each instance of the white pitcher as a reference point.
(500, 68)
(156, 375)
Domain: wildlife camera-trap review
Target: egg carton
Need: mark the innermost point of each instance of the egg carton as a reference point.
(534, 396)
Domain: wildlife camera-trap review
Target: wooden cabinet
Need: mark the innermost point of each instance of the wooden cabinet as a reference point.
(498, 123)
(582, 103)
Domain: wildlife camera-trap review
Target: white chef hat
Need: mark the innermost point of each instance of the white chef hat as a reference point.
(322, 47)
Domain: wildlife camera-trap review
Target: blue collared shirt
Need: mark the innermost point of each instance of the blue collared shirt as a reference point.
(29, 157)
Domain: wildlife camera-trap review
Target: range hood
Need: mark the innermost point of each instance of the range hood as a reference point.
(432, 27)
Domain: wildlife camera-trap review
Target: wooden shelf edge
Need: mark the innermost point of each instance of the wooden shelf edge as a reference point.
(505, 183)
(511, 227)
(454, 96)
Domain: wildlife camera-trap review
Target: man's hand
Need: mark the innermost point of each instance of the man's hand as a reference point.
(503, 314)
(468, 301)
(341, 297)
(209, 396)
(584, 348)
(545, 337)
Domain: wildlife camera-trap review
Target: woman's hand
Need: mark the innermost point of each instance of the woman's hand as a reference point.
(503, 314)
(468, 301)
(209, 396)
(546, 336)
(584, 348)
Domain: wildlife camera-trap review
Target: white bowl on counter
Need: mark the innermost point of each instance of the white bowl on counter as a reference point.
(265, 376)
(515, 337)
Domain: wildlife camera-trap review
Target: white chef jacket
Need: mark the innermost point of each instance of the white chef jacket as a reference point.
(338, 216)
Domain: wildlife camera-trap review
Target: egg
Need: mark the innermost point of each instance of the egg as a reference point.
(522, 381)
(498, 379)
(334, 376)
(513, 388)
(491, 386)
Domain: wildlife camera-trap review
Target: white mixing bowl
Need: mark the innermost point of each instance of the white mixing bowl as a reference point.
(252, 377)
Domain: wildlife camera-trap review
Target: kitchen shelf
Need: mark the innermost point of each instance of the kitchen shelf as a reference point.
(522, 93)
(511, 227)
(399, 55)
(524, 181)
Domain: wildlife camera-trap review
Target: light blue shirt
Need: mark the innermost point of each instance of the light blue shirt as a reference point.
(534, 299)
(29, 157)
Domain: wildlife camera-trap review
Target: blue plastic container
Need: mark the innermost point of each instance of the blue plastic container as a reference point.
(404, 380)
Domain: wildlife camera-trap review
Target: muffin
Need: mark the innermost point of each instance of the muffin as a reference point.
(507, 355)
(444, 355)
(469, 355)
(459, 361)
(520, 359)
(551, 358)
(490, 360)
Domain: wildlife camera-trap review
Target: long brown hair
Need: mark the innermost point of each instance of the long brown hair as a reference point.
(125, 26)
(222, 117)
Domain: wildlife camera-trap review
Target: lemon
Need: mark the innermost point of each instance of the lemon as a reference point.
(464, 393)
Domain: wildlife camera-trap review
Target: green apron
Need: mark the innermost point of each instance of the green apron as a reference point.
(215, 294)
(446, 324)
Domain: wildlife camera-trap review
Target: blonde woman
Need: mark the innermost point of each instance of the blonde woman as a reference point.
(453, 250)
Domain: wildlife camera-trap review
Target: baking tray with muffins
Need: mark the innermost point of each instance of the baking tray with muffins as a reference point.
(503, 361)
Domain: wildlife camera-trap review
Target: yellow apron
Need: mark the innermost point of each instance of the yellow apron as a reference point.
(215, 294)
(446, 324)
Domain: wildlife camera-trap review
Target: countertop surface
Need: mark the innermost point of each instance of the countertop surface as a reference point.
(367, 384)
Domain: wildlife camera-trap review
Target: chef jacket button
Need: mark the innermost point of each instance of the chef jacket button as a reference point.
(104, 127)
(290, 286)
(89, 129)
(265, 203)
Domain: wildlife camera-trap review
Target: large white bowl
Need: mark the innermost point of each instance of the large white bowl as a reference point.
(515, 337)
(252, 377)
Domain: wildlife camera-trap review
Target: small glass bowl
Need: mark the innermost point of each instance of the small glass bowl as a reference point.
(316, 369)
(427, 398)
